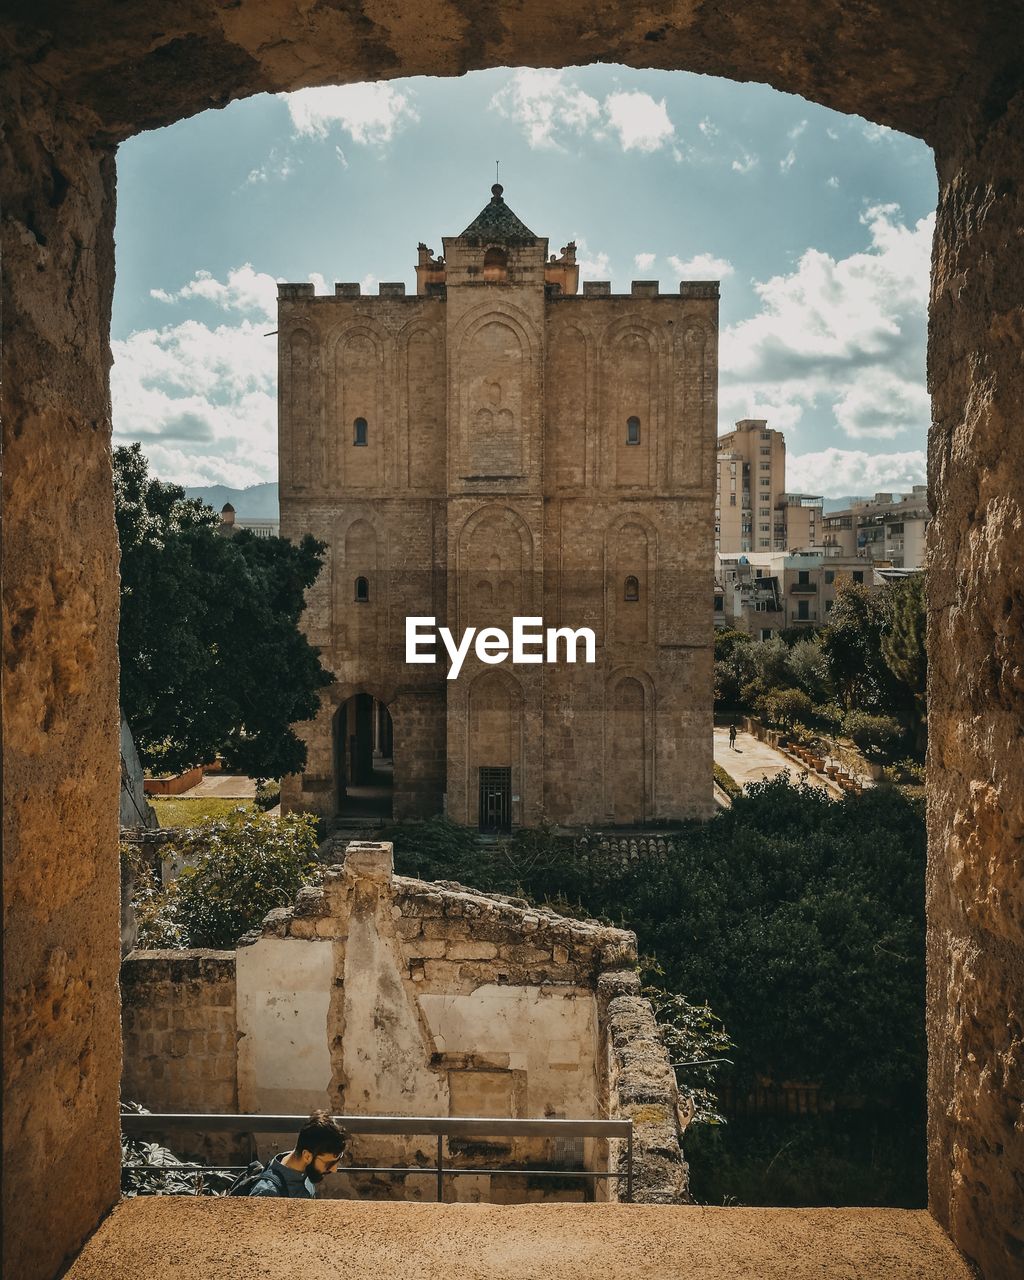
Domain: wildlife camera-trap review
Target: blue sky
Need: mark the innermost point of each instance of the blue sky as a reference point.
(818, 225)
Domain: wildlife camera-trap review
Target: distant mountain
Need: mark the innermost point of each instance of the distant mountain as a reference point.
(839, 504)
(258, 502)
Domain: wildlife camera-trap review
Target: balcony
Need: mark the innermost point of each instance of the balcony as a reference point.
(803, 589)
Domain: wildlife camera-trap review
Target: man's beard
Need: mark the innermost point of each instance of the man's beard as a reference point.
(313, 1173)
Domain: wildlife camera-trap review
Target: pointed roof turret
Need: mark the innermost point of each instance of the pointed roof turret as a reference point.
(497, 224)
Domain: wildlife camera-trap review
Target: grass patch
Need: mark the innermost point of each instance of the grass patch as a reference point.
(174, 811)
(727, 782)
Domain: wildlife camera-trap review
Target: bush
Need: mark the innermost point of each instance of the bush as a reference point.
(268, 795)
(877, 736)
(727, 782)
(781, 708)
(236, 870)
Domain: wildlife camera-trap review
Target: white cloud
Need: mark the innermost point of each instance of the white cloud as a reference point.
(202, 400)
(275, 166)
(708, 128)
(546, 106)
(644, 261)
(832, 182)
(245, 290)
(550, 109)
(840, 473)
(703, 266)
(787, 161)
(796, 131)
(641, 123)
(833, 134)
(370, 114)
(746, 162)
(593, 265)
(842, 338)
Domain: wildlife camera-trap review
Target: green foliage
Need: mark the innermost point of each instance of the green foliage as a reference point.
(697, 1044)
(268, 795)
(192, 811)
(172, 1179)
(782, 708)
(727, 782)
(851, 648)
(877, 736)
(903, 648)
(806, 667)
(236, 870)
(870, 1157)
(799, 919)
(212, 658)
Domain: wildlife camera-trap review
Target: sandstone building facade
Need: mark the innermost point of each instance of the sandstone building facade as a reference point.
(497, 446)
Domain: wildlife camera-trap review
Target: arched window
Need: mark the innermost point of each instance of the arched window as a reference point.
(362, 590)
(632, 431)
(496, 265)
(632, 591)
(359, 431)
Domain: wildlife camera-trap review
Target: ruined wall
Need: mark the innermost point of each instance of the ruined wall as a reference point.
(72, 90)
(178, 1023)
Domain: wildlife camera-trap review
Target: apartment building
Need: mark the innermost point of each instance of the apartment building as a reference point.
(888, 528)
(762, 593)
(753, 511)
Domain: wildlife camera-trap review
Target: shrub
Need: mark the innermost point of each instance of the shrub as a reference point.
(877, 736)
(236, 870)
(727, 782)
(268, 795)
(781, 708)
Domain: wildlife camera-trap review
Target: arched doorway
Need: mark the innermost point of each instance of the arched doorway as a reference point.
(364, 766)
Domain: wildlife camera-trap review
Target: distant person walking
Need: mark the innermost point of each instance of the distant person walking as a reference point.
(732, 736)
(293, 1175)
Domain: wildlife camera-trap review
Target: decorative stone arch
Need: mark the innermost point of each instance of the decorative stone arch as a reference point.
(496, 738)
(298, 363)
(341, 414)
(630, 757)
(73, 91)
(622, 398)
(468, 576)
(421, 448)
(570, 393)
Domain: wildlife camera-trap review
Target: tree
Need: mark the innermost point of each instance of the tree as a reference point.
(903, 648)
(235, 871)
(851, 648)
(212, 658)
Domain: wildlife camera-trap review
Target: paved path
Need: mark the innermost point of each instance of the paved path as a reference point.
(227, 785)
(192, 1238)
(753, 760)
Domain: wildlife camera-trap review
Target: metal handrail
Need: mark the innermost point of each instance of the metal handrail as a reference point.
(436, 1126)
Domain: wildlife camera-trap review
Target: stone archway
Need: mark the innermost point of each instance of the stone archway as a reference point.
(77, 84)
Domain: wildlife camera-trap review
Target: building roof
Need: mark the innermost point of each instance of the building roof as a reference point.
(496, 223)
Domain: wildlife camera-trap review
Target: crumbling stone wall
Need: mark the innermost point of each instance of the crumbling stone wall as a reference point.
(376, 994)
(76, 86)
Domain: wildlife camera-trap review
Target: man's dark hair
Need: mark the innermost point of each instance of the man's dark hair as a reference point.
(321, 1136)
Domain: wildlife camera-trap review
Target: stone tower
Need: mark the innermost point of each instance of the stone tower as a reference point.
(501, 446)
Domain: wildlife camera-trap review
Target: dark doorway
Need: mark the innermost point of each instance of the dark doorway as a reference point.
(364, 766)
(495, 799)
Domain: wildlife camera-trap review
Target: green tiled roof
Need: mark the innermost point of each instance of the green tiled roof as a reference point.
(497, 224)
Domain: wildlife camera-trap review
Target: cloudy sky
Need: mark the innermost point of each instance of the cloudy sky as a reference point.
(818, 225)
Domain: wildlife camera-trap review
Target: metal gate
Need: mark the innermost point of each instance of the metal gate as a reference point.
(495, 799)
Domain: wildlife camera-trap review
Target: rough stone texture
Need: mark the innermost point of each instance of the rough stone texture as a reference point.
(224, 1239)
(641, 1088)
(78, 82)
(492, 479)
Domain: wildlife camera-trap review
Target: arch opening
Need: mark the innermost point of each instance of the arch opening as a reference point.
(364, 758)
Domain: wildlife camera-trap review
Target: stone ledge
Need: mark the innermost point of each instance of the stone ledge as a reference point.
(230, 1238)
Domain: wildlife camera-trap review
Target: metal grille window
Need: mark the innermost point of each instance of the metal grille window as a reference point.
(495, 799)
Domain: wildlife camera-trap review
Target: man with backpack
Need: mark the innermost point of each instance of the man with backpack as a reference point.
(293, 1175)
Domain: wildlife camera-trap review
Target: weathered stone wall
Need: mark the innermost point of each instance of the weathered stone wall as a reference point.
(642, 1088)
(72, 89)
(976, 686)
(178, 1024)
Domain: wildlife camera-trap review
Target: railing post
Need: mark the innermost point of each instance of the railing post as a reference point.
(440, 1168)
(629, 1166)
